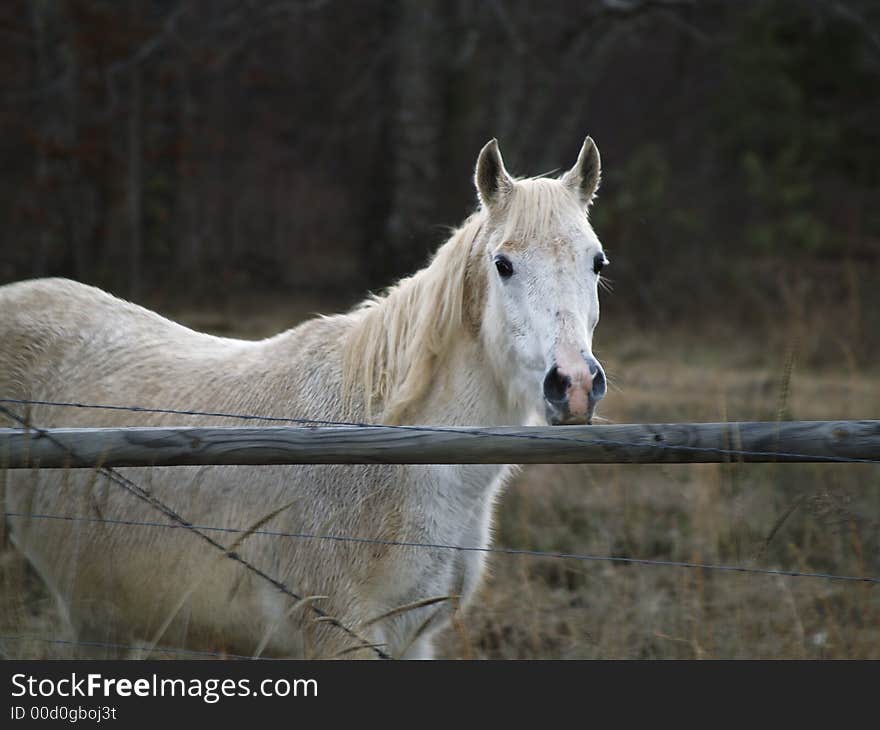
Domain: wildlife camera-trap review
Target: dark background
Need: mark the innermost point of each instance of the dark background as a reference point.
(199, 151)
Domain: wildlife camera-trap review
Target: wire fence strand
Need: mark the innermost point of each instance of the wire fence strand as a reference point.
(461, 548)
(200, 530)
(477, 432)
(145, 496)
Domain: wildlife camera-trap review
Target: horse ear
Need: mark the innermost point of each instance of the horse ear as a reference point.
(583, 178)
(492, 180)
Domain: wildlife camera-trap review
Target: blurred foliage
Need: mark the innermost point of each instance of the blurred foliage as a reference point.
(798, 116)
(206, 149)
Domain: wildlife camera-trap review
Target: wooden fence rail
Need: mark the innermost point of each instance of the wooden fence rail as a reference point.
(790, 441)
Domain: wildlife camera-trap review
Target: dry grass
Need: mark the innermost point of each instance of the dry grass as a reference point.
(804, 517)
(807, 517)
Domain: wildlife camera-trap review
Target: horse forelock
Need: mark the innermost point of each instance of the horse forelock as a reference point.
(536, 209)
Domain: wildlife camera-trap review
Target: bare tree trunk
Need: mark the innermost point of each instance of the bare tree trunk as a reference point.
(135, 180)
(189, 242)
(418, 119)
(40, 255)
(69, 137)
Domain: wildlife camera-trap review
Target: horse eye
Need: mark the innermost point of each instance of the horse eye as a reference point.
(599, 262)
(505, 268)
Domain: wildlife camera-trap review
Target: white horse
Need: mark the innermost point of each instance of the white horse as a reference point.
(496, 330)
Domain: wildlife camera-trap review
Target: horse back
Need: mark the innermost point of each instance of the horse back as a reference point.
(62, 340)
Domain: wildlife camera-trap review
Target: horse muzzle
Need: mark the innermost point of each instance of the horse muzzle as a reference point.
(571, 394)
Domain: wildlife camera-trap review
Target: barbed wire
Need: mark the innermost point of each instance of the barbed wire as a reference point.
(199, 530)
(145, 496)
(441, 429)
(461, 548)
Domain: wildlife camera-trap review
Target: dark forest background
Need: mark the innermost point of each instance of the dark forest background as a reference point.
(201, 150)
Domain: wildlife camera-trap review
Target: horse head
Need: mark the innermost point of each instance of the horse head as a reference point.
(543, 263)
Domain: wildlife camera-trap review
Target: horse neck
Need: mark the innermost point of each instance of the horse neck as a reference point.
(420, 350)
(467, 387)
(467, 391)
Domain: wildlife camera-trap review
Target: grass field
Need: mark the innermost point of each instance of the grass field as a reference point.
(806, 517)
(823, 518)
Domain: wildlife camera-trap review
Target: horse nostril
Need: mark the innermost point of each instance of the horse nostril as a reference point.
(597, 392)
(556, 386)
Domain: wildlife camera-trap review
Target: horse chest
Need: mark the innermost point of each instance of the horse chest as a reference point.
(456, 509)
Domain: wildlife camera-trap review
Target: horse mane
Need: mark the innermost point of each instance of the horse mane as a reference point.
(400, 338)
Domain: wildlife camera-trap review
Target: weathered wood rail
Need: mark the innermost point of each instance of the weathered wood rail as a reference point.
(790, 441)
